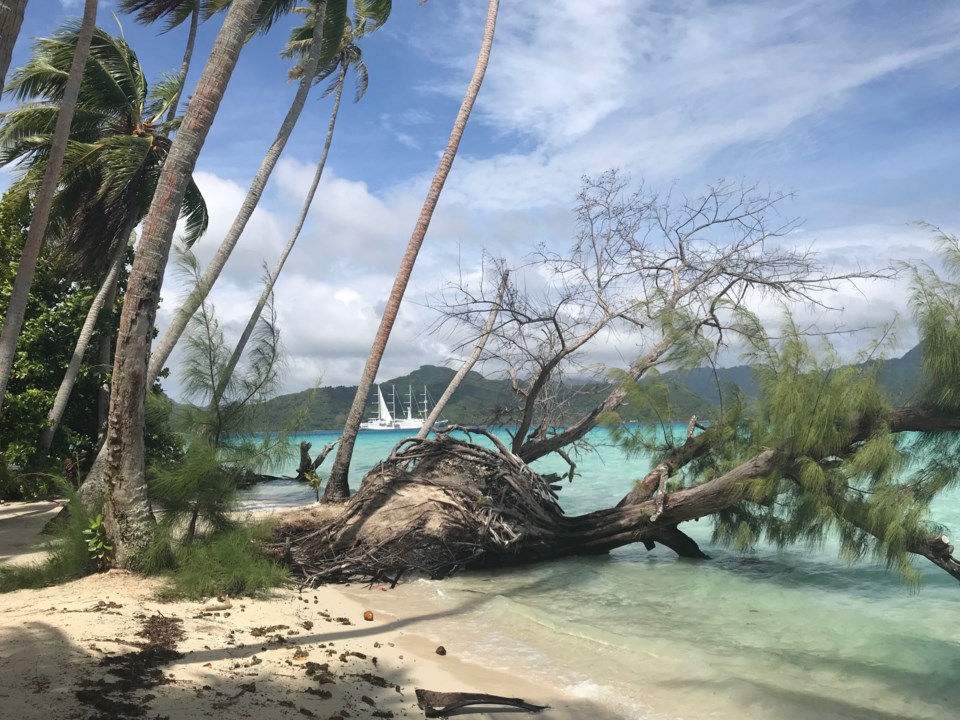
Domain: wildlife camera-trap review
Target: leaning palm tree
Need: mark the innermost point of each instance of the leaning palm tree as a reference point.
(173, 13)
(330, 15)
(13, 320)
(112, 163)
(11, 18)
(127, 512)
(338, 488)
(348, 57)
(245, 17)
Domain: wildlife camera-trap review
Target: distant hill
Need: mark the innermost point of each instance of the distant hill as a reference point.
(478, 399)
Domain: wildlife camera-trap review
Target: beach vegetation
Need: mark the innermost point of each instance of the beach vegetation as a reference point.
(196, 491)
(47, 180)
(56, 309)
(68, 552)
(97, 545)
(229, 563)
(129, 516)
(114, 154)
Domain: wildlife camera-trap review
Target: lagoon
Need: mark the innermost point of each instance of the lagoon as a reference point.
(795, 634)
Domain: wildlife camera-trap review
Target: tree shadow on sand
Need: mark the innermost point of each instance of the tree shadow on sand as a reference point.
(122, 673)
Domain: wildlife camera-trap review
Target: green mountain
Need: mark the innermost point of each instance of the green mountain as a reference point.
(481, 400)
(478, 400)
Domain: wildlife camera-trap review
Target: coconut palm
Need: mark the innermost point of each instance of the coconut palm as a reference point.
(112, 162)
(115, 152)
(321, 53)
(11, 18)
(348, 57)
(128, 517)
(173, 13)
(13, 320)
(338, 488)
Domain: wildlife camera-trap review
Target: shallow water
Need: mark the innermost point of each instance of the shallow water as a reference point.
(793, 634)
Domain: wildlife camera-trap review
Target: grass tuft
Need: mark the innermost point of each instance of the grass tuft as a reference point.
(228, 563)
(68, 556)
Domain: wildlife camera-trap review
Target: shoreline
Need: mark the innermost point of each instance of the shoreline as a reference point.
(91, 645)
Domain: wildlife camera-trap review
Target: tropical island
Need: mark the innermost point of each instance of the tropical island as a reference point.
(670, 450)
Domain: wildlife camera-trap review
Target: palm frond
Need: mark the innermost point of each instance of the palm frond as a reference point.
(173, 12)
(371, 15)
(162, 94)
(194, 212)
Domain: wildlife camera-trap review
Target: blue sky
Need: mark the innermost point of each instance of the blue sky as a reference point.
(852, 106)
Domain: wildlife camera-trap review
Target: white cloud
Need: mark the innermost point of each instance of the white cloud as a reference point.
(659, 88)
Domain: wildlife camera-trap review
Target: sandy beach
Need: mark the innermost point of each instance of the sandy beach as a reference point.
(105, 647)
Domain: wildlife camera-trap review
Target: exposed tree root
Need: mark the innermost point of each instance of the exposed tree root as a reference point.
(436, 506)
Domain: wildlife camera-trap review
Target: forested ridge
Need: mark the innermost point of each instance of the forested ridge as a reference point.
(480, 400)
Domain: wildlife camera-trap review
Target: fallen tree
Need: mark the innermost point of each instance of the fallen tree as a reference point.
(437, 506)
(820, 453)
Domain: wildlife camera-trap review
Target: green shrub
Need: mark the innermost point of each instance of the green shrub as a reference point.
(228, 563)
(69, 556)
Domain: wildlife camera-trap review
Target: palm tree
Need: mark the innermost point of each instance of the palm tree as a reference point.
(11, 18)
(322, 50)
(13, 320)
(174, 13)
(127, 512)
(338, 488)
(112, 163)
(348, 56)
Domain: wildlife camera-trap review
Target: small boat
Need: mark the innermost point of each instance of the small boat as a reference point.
(387, 417)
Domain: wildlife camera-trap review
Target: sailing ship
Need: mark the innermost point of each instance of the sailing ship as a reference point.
(387, 417)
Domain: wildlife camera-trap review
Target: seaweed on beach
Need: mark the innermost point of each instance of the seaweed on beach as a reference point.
(114, 696)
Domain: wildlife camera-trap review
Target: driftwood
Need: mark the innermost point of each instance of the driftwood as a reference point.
(306, 464)
(441, 704)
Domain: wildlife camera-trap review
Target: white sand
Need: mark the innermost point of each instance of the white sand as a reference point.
(62, 648)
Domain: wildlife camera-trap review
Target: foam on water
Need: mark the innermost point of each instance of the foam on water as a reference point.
(789, 634)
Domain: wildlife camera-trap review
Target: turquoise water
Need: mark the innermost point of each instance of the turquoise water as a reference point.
(794, 634)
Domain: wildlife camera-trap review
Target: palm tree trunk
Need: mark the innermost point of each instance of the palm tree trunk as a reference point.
(13, 321)
(470, 362)
(187, 56)
(11, 18)
(338, 488)
(104, 364)
(127, 511)
(179, 323)
(86, 332)
(268, 288)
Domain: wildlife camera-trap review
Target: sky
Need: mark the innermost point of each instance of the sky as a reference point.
(851, 106)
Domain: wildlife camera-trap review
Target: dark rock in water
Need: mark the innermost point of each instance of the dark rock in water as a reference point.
(441, 650)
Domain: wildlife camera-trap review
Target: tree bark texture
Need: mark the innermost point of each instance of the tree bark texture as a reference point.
(16, 309)
(182, 317)
(128, 515)
(11, 18)
(338, 488)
